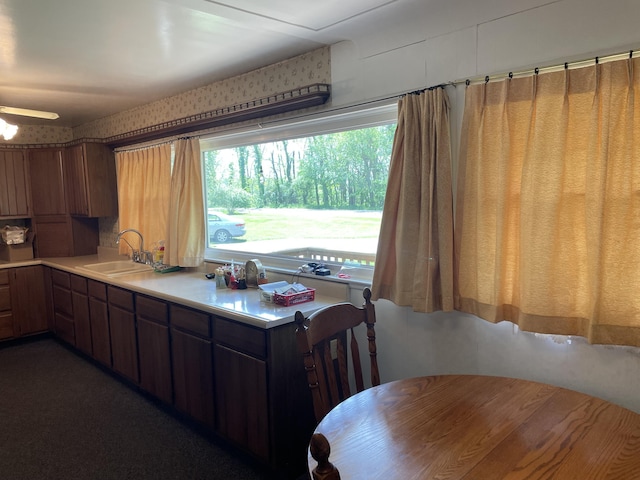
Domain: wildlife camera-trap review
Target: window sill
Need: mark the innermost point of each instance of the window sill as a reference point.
(288, 269)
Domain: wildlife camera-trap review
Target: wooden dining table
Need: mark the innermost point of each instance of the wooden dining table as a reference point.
(481, 428)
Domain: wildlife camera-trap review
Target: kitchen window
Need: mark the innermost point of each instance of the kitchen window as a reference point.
(300, 191)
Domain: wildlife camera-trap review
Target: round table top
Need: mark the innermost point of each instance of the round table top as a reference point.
(480, 428)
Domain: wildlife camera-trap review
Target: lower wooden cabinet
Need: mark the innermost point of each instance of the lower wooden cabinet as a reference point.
(99, 319)
(23, 307)
(244, 383)
(81, 319)
(122, 327)
(241, 406)
(28, 300)
(154, 351)
(62, 306)
(6, 314)
(193, 376)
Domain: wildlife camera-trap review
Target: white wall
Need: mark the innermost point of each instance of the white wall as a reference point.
(445, 40)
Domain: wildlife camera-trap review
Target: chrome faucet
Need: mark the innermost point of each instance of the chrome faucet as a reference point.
(139, 256)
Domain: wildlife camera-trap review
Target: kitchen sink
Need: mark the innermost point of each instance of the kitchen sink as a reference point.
(116, 268)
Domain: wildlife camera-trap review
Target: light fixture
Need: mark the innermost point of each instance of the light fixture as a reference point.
(26, 112)
(7, 130)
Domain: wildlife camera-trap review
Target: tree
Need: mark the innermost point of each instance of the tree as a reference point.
(243, 161)
(259, 174)
(338, 170)
(210, 167)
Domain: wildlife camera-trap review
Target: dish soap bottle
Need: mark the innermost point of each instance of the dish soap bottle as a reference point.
(158, 253)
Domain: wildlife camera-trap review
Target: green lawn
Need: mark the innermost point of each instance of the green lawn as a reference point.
(273, 224)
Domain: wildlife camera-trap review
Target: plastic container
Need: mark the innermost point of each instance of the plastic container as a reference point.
(308, 295)
(12, 235)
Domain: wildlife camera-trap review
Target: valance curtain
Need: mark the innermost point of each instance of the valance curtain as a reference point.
(186, 228)
(414, 260)
(144, 178)
(548, 219)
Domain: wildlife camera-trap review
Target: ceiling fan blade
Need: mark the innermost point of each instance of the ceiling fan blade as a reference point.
(25, 112)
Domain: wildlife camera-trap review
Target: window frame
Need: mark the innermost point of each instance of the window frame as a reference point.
(306, 125)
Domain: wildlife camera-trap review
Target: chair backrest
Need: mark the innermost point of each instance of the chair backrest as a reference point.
(325, 340)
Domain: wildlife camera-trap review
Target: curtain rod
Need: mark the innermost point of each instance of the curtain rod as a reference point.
(153, 143)
(146, 145)
(552, 68)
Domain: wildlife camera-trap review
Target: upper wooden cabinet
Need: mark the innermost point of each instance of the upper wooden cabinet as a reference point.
(14, 186)
(90, 180)
(70, 188)
(78, 180)
(47, 185)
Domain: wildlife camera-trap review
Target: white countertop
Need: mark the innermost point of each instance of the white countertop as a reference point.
(191, 288)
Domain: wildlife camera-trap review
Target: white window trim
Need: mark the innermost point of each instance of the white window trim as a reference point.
(333, 121)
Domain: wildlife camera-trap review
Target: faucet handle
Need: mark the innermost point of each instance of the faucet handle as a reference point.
(147, 257)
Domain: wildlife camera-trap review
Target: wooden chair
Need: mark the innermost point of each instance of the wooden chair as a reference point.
(320, 451)
(322, 340)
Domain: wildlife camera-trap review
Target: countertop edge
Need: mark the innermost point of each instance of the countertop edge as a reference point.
(144, 283)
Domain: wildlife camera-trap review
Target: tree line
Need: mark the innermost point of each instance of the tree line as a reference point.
(343, 170)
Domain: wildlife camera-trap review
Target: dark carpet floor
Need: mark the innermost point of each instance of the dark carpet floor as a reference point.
(62, 417)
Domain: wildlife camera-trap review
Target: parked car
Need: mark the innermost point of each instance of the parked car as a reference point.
(223, 228)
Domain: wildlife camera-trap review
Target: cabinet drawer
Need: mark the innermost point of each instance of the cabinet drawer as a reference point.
(97, 290)
(58, 277)
(195, 322)
(62, 301)
(120, 297)
(79, 284)
(240, 337)
(151, 309)
(4, 277)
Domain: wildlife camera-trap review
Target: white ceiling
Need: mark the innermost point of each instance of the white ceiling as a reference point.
(87, 59)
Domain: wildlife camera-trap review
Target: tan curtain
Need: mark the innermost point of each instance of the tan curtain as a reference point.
(186, 228)
(548, 220)
(144, 178)
(414, 261)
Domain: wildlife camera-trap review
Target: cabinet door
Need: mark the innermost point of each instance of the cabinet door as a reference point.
(90, 180)
(241, 400)
(100, 332)
(75, 181)
(62, 306)
(154, 352)
(28, 298)
(53, 236)
(6, 315)
(6, 323)
(193, 376)
(65, 236)
(14, 193)
(155, 359)
(47, 188)
(99, 318)
(124, 349)
(81, 320)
